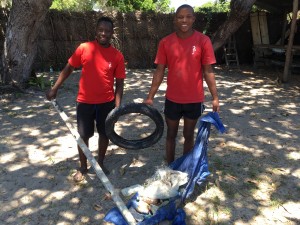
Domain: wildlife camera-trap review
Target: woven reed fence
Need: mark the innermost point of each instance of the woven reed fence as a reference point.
(137, 35)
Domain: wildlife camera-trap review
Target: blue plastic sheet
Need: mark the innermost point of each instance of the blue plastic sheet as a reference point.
(166, 212)
(195, 163)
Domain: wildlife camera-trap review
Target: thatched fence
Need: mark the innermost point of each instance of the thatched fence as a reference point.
(136, 35)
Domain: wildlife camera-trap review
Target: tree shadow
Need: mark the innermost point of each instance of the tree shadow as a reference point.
(255, 173)
(254, 165)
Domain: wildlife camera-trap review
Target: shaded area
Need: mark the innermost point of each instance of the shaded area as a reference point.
(255, 165)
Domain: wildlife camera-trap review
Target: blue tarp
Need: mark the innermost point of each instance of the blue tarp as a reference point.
(194, 163)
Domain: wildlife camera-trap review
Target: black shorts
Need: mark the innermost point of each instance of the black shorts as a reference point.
(175, 111)
(88, 114)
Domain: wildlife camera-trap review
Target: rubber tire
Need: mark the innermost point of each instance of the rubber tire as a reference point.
(142, 108)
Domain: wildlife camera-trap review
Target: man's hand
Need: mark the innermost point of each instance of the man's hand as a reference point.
(215, 105)
(64, 74)
(148, 101)
(51, 94)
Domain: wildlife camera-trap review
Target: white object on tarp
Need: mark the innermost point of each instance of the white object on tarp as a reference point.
(131, 189)
(164, 184)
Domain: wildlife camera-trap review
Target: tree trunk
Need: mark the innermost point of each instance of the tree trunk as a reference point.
(20, 47)
(239, 12)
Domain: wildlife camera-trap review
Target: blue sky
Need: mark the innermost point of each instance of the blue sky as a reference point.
(176, 3)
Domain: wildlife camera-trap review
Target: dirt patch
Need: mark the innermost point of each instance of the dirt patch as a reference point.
(254, 166)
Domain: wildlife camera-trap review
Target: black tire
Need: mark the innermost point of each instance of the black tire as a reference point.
(142, 108)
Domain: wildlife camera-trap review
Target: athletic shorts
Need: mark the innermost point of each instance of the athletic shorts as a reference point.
(175, 111)
(88, 114)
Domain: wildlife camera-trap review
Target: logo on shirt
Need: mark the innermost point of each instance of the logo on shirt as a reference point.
(109, 65)
(194, 50)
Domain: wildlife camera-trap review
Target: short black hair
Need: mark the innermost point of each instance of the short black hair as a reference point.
(184, 6)
(105, 19)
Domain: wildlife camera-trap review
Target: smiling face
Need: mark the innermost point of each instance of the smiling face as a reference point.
(104, 32)
(184, 20)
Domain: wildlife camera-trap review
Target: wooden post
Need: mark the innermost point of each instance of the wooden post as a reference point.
(288, 54)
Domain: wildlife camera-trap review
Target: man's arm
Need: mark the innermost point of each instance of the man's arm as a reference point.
(209, 77)
(64, 74)
(157, 78)
(119, 91)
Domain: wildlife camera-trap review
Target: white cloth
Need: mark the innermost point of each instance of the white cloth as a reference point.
(165, 184)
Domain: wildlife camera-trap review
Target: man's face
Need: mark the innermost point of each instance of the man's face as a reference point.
(184, 20)
(104, 32)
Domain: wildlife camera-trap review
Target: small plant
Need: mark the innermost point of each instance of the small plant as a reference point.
(229, 189)
(51, 159)
(275, 202)
(12, 114)
(40, 82)
(18, 94)
(252, 173)
(218, 163)
(216, 203)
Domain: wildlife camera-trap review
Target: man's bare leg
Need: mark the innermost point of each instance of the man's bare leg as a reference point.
(83, 163)
(188, 134)
(103, 142)
(171, 139)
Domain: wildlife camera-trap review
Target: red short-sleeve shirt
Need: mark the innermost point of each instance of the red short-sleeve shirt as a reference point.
(100, 66)
(184, 59)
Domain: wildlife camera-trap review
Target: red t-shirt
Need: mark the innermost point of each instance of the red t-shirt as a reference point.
(100, 66)
(184, 59)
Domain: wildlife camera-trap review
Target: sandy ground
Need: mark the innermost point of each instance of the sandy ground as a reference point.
(254, 166)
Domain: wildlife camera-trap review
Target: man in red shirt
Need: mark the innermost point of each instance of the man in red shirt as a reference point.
(188, 55)
(102, 67)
